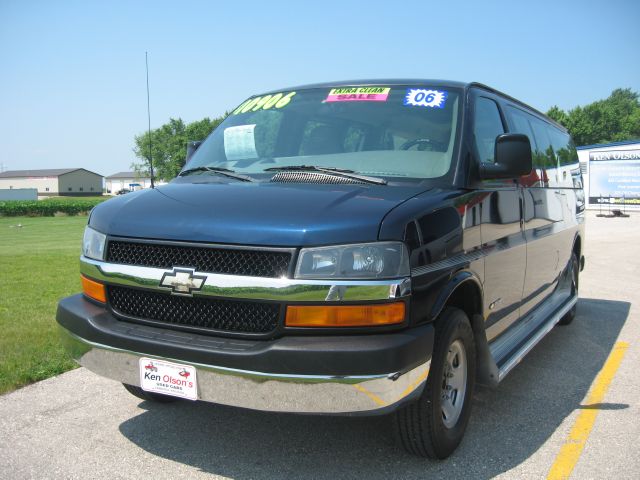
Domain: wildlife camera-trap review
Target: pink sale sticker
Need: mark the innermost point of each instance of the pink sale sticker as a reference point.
(358, 94)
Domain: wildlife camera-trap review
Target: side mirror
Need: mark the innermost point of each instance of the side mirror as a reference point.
(512, 157)
(192, 146)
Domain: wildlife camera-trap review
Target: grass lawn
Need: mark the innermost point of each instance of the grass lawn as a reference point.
(38, 266)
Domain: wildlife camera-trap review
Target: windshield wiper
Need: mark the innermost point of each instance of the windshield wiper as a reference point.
(338, 172)
(222, 171)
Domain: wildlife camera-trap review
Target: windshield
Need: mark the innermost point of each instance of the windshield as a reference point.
(395, 131)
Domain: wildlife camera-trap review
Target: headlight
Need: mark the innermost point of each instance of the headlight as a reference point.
(358, 261)
(93, 244)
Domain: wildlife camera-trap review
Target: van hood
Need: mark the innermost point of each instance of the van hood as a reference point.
(270, 214)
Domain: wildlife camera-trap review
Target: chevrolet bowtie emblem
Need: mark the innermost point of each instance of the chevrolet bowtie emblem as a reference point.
(182, 281)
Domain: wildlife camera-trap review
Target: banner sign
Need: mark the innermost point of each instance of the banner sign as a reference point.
(614, 177)
(614, 155)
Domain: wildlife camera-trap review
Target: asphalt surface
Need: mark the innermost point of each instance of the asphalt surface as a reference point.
(79, 425)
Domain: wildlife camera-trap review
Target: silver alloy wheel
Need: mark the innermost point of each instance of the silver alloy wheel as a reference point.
(454, 384)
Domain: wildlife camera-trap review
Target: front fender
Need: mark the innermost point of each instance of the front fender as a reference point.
(458, 279)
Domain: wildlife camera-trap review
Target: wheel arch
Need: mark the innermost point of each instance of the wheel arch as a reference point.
(577, 249)
(577, 245)
(464, 291)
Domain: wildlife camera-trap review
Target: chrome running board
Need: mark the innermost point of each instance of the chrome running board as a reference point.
(505, 365)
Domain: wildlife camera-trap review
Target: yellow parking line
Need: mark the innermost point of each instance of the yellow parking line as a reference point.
(371, 395)
(574, 444)
(413, 386)
(380, 401)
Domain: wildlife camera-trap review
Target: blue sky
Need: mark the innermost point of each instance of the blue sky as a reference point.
(72, 77)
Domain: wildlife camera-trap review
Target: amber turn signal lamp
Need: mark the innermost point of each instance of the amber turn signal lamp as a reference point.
(93, 289)
(345, 315)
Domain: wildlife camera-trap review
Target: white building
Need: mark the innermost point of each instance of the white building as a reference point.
(54, 181)
(126, 180)
(611, 173)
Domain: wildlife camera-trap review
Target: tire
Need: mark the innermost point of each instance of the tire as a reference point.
(574, 273)
(433, 425)
(149, 396)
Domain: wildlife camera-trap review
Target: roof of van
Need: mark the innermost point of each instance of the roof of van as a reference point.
(416, 81)
(376, 81)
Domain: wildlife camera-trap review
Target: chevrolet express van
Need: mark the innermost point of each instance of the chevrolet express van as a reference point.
(358, 248)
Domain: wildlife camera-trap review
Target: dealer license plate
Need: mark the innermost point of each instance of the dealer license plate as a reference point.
(167, 378)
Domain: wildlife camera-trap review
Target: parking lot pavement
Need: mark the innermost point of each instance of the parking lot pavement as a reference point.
(78, 425)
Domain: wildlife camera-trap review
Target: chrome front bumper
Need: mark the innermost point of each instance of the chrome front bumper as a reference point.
(368, 394)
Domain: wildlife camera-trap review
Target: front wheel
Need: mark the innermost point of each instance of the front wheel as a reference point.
(434, 425)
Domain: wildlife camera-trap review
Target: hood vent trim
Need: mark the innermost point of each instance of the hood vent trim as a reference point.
(313, 177)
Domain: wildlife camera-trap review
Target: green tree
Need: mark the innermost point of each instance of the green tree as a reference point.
(613, 119)
(558, 115)
(169, 145)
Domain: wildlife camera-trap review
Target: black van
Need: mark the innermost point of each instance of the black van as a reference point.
(350, 248)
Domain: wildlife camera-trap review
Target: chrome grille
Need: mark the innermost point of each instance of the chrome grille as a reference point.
(254, 263)
(194, 312)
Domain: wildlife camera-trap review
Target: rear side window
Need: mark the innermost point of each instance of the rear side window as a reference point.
(539, 134)
(555, 159)
(487, 125)
(544, 156)
(563, 147)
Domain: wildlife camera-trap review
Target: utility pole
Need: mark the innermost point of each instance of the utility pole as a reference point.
(146, 61)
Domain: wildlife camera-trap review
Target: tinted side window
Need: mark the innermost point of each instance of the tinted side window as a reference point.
(544, 156)
(519, 121)
(564, 148)
(487, 125)
(545, 162)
